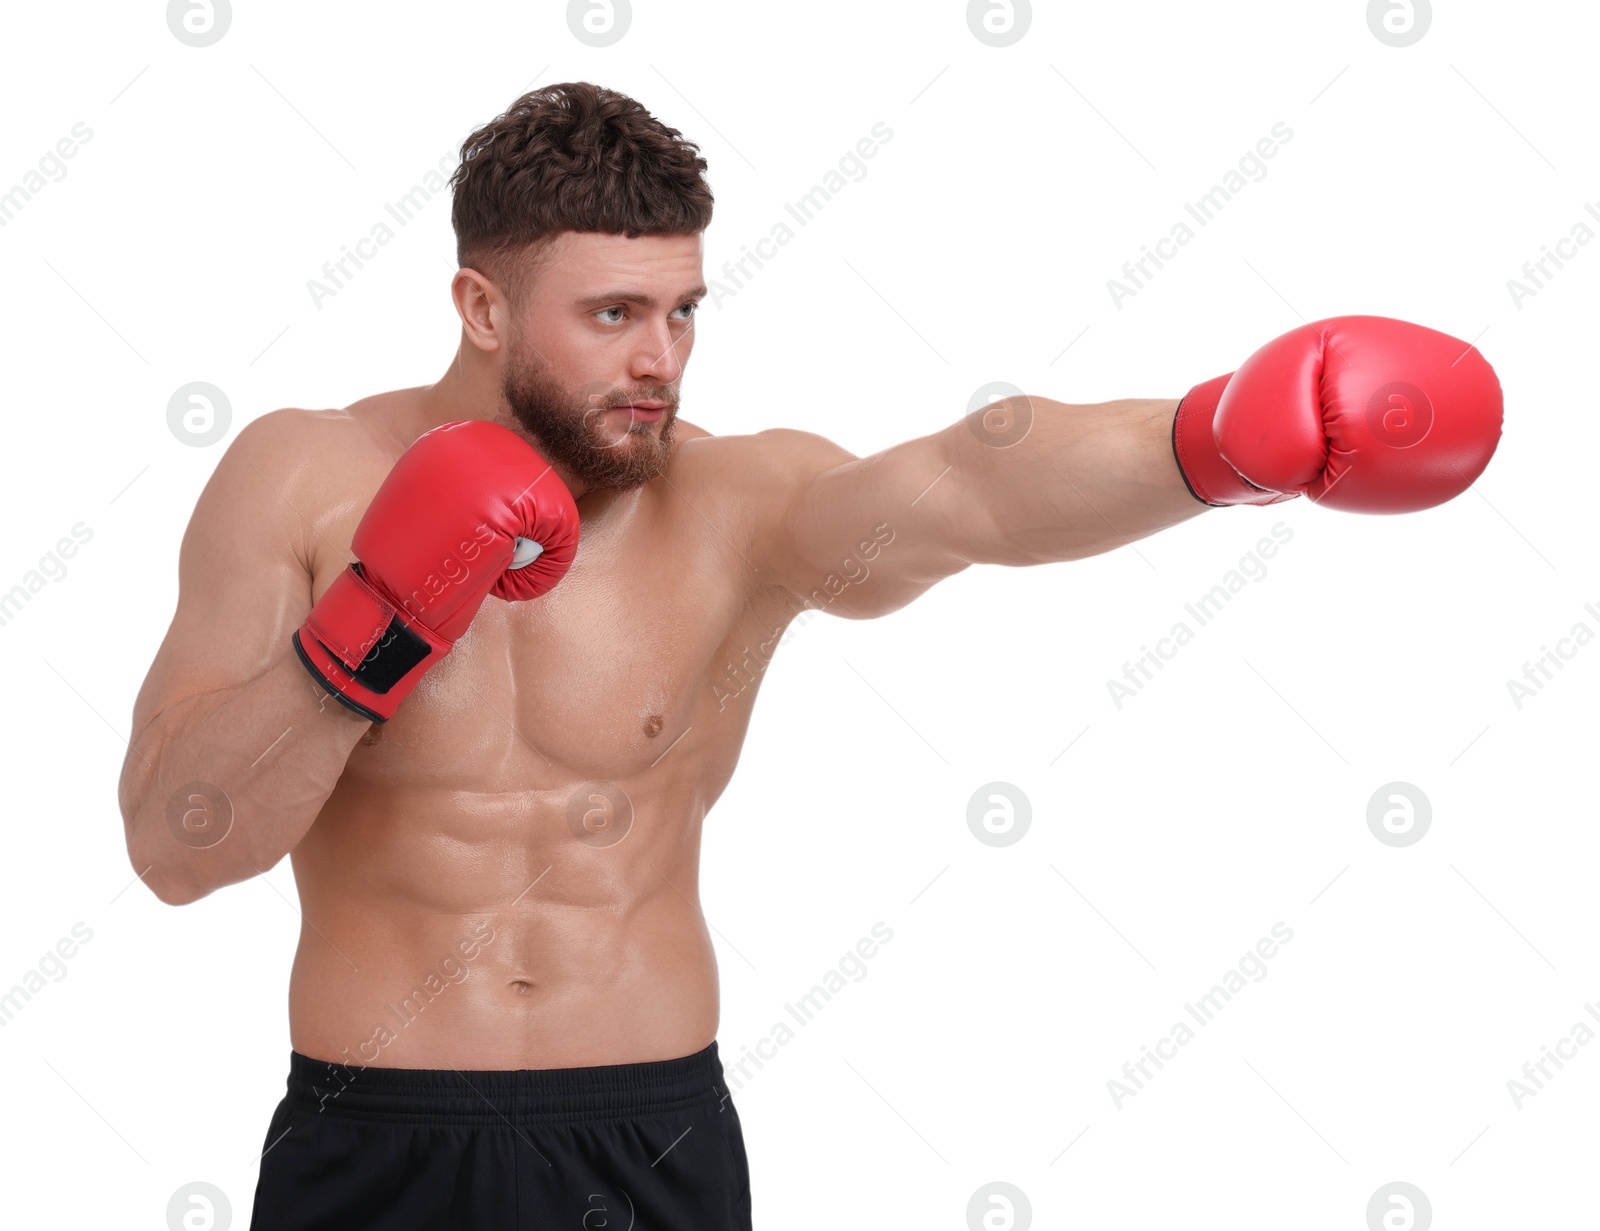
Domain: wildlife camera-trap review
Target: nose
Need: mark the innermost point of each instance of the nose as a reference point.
(658, 358)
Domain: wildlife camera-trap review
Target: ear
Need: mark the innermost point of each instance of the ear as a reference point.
(485, 315)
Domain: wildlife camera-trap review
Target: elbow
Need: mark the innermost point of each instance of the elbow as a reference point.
(163, 878)
(164, 870)
(174, 892)
(177, 878)
(167, 884)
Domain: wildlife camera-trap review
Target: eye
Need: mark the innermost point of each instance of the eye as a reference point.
(688, 309)
(611, 320)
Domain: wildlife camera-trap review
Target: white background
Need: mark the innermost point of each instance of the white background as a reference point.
(1229, 795)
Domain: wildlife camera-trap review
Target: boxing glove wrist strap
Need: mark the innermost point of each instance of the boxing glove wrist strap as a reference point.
(1209, 477)
(364, 650)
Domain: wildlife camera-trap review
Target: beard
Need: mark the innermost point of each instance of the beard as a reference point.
(571, 428)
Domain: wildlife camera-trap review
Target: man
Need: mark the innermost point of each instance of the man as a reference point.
(463, 653)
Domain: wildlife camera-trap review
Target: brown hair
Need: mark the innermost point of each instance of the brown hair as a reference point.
(571, 157)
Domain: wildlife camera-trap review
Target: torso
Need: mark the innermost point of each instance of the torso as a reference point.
(506, 875)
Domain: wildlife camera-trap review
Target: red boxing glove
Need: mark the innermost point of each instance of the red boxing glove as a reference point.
(470, 509)
(1361, 413)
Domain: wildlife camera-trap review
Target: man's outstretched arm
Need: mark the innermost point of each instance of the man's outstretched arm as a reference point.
(1363, 414)
(1083, 480)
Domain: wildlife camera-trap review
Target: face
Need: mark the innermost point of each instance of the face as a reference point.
(597, 350)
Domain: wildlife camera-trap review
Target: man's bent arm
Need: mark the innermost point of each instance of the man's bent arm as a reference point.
(235, 748)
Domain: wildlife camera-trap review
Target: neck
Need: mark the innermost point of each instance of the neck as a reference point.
(469, 389)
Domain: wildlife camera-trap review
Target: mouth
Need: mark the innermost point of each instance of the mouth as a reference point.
(642, 412)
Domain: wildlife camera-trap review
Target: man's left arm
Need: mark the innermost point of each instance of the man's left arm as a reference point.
(1364, 414)
(1083, 480)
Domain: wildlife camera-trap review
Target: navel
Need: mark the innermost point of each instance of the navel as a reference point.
(521, 987)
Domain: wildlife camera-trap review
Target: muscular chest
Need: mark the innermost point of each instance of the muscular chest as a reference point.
(594, 680)
(602, 678)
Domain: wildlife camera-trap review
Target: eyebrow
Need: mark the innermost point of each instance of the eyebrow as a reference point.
(633, 297)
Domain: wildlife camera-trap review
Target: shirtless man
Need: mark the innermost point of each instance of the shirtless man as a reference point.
(489, 745)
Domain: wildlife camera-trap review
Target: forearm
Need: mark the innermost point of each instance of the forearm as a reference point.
(253, 764)
(1083, 480)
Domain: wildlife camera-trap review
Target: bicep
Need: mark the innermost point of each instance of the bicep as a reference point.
(244, 580)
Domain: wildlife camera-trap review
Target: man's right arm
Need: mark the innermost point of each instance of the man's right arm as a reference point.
(231, 735)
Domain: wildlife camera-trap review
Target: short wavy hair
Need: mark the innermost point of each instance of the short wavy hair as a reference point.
(570, 157)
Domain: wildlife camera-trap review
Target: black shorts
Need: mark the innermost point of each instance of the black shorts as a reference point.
(655, 1146)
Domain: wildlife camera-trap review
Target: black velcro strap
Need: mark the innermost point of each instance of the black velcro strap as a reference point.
(395, 655)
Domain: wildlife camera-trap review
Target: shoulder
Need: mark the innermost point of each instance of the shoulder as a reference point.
(326, 441)
(287, 469)
(771, 463)
(291, 430)
(751, 487)
(303, 456)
